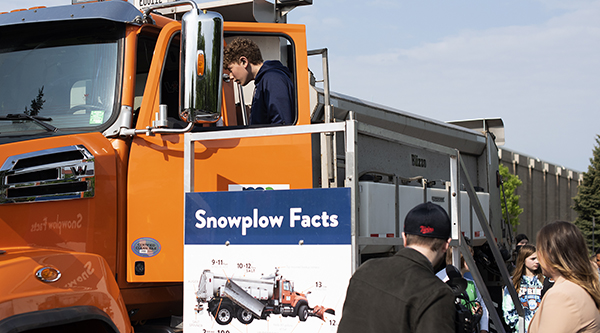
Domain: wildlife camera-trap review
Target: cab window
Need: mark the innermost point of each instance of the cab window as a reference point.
(145, 50)
(239, 98)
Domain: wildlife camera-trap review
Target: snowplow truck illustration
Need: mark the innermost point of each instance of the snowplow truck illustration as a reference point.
(247, 299)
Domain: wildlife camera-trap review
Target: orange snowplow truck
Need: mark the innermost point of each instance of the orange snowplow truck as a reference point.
(95, 100)
(99, 104)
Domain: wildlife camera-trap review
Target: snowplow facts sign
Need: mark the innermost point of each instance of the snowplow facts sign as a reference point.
(266, 261)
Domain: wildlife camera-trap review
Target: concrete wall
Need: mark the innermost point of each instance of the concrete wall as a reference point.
(547, 191)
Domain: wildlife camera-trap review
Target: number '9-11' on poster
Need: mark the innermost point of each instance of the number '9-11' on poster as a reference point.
(266, 261)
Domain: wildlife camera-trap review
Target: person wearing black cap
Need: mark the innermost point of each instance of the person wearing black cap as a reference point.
(522, 239)
(401, 293)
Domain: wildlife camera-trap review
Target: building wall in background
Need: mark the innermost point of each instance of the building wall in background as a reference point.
(547, 191)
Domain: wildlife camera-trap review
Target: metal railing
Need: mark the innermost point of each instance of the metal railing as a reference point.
(497, 257)
(351, 129)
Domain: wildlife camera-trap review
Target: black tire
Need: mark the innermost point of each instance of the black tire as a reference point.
(244, 316)
(303, 312)
(224, 314)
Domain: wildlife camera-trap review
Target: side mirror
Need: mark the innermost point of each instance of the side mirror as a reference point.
(201, 67)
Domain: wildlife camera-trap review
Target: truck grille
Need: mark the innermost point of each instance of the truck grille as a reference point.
(53, 174)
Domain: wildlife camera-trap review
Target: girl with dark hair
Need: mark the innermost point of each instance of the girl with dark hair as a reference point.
(522, 239)
(573, 303)
(528, 282)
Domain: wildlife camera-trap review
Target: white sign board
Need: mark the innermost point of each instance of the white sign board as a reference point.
(266, 261)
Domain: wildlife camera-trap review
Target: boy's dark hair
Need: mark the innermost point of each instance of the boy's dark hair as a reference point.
(241, 47)
(434, 244)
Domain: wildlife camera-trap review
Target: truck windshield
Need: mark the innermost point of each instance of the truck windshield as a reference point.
(58, 76)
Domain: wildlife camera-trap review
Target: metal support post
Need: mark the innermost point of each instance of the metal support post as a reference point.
(328, 165)
(351, 181)
(455, 209)
(245, 121)
(188, 164)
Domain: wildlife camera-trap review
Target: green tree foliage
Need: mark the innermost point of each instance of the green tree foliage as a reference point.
(37, 104)
(511, 182)
(587, 201)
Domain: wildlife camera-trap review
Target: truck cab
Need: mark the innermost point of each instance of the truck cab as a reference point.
(91, 155)
(291, 300)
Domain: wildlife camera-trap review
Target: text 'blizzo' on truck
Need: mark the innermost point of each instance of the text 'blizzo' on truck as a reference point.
(113, 112)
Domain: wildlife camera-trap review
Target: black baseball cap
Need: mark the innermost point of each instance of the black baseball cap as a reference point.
(521, 237)
(428, 220)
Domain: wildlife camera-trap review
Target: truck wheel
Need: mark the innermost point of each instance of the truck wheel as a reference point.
(224, 315)
(303, 312)
(244, 316)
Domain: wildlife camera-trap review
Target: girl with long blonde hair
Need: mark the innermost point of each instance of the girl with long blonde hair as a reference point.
(528, 281)
(573, 303)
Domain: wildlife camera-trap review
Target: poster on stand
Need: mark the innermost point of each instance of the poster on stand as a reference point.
(266, 261)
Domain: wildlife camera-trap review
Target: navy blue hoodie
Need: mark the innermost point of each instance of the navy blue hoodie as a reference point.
(273, 101)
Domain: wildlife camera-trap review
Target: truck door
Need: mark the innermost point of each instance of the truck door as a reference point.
(287, 292)
(155, 174)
